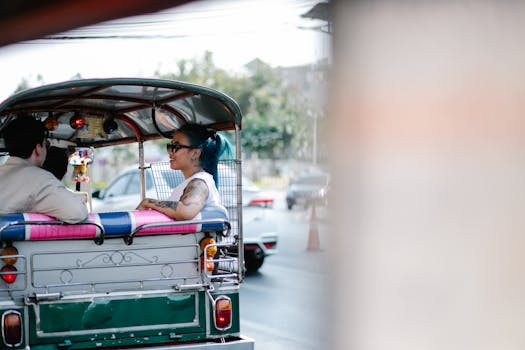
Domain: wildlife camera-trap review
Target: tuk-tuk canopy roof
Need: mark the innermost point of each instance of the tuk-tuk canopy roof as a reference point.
(143, 109)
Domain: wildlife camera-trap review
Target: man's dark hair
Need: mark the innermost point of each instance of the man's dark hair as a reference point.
(56, 161)
(23, 134)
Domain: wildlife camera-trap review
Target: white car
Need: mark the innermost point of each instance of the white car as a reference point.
(259, 230)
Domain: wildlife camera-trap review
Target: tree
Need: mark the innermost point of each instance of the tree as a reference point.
(22, 85)
(276, 119)
(25, 84)
(273, 127)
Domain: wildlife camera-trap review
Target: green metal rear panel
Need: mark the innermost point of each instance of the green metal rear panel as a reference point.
(103, 323)
(101, 314)
(100, 320)
(235, 328)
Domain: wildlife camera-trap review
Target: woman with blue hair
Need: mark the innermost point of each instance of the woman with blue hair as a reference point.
(195, 151)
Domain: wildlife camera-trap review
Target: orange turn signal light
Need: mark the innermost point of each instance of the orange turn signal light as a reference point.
(210, 265)
(51, 123)
(9, 255)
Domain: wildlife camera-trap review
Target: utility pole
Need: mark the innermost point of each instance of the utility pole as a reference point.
(313, 115)
(315, 139)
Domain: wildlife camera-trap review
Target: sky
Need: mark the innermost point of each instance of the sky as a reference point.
(235, 31)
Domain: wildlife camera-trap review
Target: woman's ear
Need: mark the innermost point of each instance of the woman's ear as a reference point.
(196, 153)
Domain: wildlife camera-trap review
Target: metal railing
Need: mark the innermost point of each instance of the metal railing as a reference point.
(230, 191)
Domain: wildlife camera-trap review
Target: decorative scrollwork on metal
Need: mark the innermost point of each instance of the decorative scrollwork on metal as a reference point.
(66, 276)
(166, 271)
(117, 258)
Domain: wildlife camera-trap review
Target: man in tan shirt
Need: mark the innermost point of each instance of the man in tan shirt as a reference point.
(24, 186)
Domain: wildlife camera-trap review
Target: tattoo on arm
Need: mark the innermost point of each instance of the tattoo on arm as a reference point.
(195, 193)
(164, 204)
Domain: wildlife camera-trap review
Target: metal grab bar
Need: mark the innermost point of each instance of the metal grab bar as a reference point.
(220, 260)
(226, 227)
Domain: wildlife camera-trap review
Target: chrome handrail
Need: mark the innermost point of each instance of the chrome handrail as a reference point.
(225, 231)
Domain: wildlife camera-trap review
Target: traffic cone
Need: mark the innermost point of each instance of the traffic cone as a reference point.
(313, 234)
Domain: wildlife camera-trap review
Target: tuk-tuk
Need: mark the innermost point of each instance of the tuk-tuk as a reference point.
(130, 279)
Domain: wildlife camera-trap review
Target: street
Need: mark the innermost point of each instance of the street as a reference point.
(284, 306)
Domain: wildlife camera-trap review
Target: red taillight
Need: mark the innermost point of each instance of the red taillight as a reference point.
(223, 313)
(262, 202)
(77, 122)
(12, 328)
(270, 245)
(6, 274)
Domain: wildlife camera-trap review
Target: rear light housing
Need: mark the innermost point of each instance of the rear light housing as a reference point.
(265, 202)
(210, 265)
(51, 122)
(9, 256)
(208, 244)
(12, 328)
(8, 274)
(222, 313)
(270, 245)
(77, 122)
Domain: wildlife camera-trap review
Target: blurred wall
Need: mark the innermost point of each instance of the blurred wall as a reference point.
(428, 158)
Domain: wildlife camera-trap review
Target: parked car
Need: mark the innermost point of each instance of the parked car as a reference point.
(260, 239)
(307, 189)
(123, 192)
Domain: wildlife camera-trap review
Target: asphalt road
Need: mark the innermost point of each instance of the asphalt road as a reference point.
(283, 306)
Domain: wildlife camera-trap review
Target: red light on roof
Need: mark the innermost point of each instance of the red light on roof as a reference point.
(77, 122)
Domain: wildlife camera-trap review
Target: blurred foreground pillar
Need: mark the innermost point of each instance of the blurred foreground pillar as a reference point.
(428, 155)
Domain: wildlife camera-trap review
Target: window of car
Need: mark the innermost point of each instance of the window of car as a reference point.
(119, 186)
(134, 184)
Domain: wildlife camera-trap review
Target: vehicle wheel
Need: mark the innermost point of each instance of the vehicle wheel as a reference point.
(289, 204)
(253, 260)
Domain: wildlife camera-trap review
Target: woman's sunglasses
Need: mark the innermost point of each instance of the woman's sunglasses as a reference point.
(174, 147)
